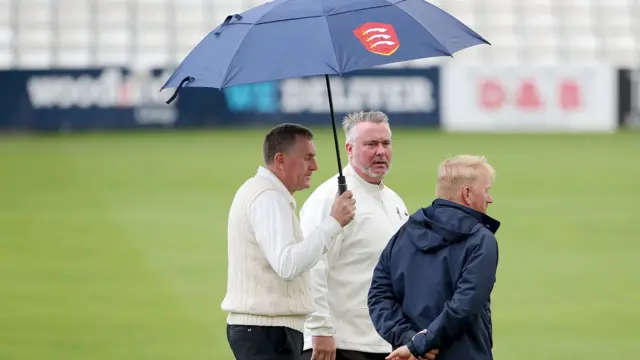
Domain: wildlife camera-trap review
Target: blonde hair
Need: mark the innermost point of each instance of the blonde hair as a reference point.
(351, 120)
(458, 171)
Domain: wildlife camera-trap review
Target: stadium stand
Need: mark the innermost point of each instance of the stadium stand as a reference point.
(147, 33)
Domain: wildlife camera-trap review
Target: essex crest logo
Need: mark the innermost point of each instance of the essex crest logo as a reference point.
(378, 38)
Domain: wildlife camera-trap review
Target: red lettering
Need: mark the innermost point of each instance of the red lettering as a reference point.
(528, 96)
(123, 98)
(492, 94)
(569, 94)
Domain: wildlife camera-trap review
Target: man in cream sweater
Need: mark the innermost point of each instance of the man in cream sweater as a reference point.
(341, 327)
(268, 286)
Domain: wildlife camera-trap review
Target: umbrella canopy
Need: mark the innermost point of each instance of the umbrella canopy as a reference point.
(298, 38)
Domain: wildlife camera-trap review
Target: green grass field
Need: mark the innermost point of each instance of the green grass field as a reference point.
(114, 246)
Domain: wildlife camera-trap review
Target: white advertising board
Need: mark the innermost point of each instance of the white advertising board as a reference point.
(529, 98)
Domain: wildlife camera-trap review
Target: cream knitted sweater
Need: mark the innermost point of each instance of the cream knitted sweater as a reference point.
(256, 294)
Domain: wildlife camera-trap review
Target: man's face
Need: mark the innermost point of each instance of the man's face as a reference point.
(299, 163)
(477, 195)
(370, 154)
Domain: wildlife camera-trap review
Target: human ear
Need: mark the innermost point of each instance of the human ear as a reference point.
(349, 148)
(278, 160)
(466, 194)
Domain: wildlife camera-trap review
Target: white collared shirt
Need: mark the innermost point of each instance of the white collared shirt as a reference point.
(341, 280)
(270, 217)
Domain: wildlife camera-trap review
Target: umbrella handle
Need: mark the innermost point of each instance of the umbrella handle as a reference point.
(342, 184)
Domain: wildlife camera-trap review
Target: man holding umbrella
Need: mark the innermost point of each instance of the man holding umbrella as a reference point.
(268, 287)
(341, 328)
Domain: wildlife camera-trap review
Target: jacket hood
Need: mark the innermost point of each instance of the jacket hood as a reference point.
(444, 223)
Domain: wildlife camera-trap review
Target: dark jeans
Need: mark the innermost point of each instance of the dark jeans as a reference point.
(348, 355)
(264, 342)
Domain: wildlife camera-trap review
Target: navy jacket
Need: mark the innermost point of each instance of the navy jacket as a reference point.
(437, 273)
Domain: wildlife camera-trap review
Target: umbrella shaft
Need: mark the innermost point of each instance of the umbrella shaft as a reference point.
(342, 184)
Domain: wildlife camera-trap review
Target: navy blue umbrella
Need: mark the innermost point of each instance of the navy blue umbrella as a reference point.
(298, 38)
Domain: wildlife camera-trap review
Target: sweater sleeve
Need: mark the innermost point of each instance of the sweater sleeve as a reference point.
(271, 219)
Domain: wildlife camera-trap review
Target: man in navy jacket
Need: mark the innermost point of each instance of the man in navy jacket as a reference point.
(430, 294)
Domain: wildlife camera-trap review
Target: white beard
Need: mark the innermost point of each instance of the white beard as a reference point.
(367, 170)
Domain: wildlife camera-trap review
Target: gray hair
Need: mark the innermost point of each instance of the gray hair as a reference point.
(351, 120)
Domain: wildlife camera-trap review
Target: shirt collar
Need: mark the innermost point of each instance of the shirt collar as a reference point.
(266, 173)
(369, 187)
